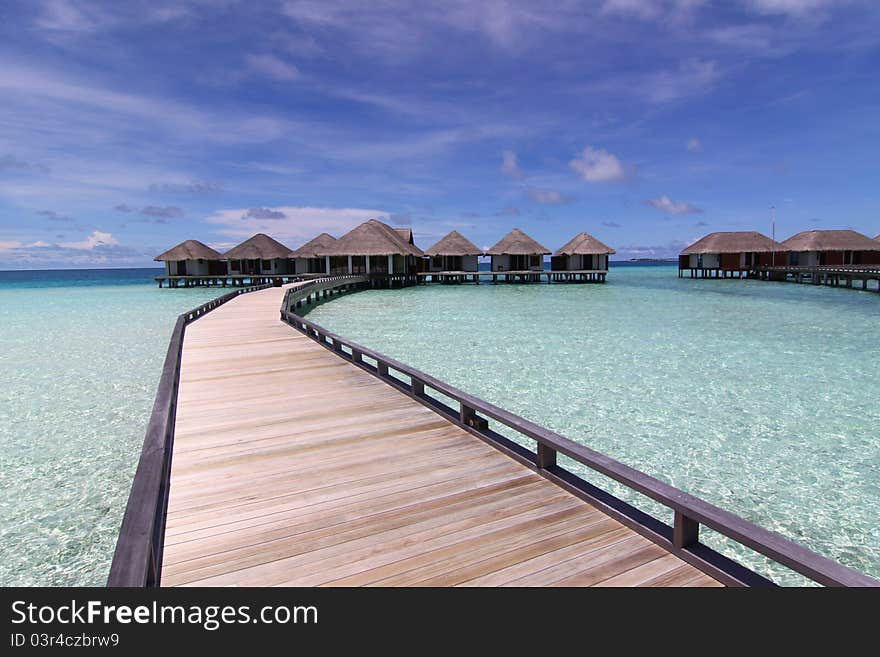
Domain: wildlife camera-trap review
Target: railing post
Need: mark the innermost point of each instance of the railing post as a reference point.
(382, 368)
(356, 356)
(417, 387)
(468, 417)
(685, 531)
(546, 457)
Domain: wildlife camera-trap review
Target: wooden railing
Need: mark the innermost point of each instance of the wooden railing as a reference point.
(690, 512)
(137, 560)
(858, 269)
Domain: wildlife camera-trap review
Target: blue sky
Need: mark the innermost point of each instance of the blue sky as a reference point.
(127, 127)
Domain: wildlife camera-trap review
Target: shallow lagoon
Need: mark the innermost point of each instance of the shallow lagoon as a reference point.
(81, 353)
(759, 397)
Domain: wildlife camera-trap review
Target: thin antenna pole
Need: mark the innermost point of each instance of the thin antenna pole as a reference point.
(773, 222)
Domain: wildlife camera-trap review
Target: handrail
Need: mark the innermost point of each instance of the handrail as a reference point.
(690, 511)
(867, 269)
(137, 559)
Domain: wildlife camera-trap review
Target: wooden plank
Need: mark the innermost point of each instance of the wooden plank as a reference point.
(294, 467)
(644, 573)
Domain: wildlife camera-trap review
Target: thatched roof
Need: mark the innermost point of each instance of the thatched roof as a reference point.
(454, 244)
(830, 240)
(517, 242)
(373, 238)
(877, 238)
(745, 241)
(189, 250)
(317, 247)
(584, 244)
(258, 247)
(406, 233)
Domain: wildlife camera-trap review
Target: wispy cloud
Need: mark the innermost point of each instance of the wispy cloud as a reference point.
(166, 212)
(53, 216)
(611, 224)
(547, 196)
(694, 145)
(12, 163)
(796, 8)
(186, 188)
(666, 204)
(510, 165)
(263, 213)
(271, 66)
(87, 100)
(693, 76)
(65, 16)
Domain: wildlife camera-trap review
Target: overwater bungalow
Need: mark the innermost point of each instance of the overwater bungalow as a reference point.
(454, 253)
(259, 255)
(376, 248)
(828, 248)
(192, 258)
(517, 252)
(313, 257)
(729, 254)
(583, 258)
(406, 234)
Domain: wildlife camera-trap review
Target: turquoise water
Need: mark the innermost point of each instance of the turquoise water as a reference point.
(758, 397)
(81, 353)
(761, 398)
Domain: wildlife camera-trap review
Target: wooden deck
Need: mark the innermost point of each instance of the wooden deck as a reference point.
(294, 467)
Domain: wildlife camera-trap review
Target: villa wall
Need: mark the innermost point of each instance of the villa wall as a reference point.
(500, 263)
(710, 261)
(193, 268)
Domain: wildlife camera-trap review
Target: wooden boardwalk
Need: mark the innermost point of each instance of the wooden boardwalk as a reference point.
(294, 467)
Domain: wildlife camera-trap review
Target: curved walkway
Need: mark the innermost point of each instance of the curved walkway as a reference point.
(293, 467)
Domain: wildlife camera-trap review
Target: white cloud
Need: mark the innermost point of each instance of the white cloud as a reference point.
(272, 67)
(694, 145)
(510, 165)
(597, 165)
(666, 204)
(546, 196)
(96, 239)
(298, 223)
